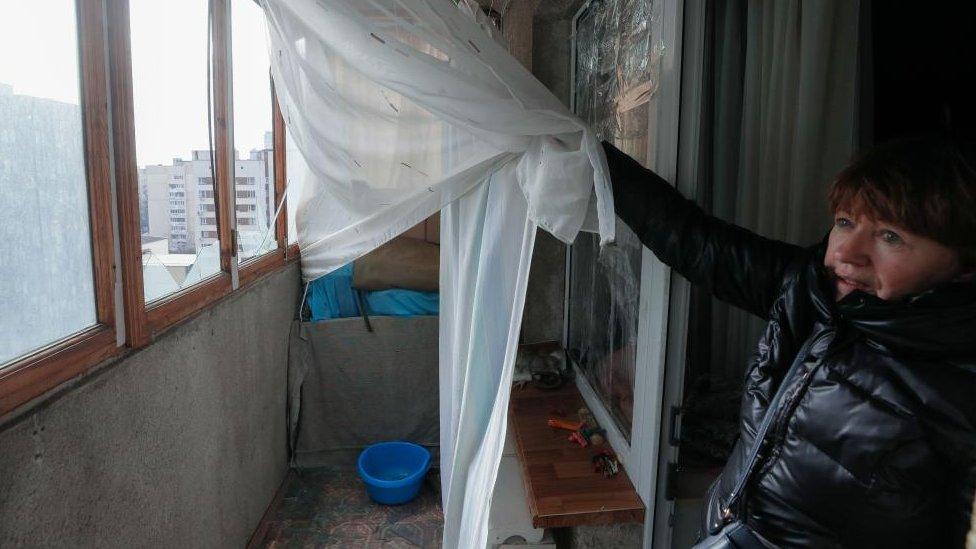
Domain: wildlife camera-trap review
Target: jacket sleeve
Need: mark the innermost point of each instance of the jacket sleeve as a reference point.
(734, 264)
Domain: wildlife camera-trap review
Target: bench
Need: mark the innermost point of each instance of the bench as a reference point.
(562, 486)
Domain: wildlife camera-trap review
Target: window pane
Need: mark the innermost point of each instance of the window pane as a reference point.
(176, 183)
(296, 171)
(254, 158)
(614, 87)
(46, 281)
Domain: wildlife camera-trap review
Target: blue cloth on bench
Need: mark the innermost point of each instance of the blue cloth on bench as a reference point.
(332, 296)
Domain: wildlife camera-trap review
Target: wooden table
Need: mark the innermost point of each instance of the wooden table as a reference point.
(562, 487)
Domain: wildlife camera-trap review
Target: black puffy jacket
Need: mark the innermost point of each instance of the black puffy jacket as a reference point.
(872, 441)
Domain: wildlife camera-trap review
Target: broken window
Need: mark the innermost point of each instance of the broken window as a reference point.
(173, 143)
(253, 143)
(615, 79)
(296, 170)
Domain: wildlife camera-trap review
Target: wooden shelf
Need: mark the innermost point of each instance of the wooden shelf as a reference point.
(562, 487)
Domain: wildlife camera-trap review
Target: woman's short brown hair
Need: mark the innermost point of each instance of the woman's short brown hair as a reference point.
(926, 185)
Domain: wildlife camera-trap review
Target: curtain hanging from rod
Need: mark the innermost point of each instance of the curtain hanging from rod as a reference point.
(404, 108)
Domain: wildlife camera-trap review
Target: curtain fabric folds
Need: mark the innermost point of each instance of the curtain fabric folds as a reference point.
(402, 108)
(785, 111)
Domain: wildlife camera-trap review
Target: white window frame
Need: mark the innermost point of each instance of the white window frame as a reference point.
(660, 335)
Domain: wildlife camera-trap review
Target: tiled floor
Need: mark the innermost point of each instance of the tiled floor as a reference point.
(331, 509)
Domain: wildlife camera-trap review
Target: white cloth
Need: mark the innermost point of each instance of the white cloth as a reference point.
(486, 250)
(400, 107)
(404, 107)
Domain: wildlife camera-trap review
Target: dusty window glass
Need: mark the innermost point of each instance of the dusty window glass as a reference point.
(614, 85)
(47, 289)
(253, 143)
(173, 150)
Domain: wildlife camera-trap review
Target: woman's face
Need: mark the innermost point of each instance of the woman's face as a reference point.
(883, 259)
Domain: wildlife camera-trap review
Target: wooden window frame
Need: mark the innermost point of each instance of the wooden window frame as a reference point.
(144, 321)
(255, 267)
(44, 369)
(105, 74)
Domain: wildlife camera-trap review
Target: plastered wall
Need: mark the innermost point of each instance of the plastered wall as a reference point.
(181, 444)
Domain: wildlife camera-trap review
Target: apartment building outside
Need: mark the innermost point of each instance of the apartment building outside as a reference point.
(178, 202)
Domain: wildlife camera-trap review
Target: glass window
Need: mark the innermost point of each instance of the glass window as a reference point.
(297, 170)
(169, 89)
(613, 92)
(253, 144)
(47, 289)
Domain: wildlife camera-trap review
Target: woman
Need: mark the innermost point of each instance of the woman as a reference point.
(858, 417)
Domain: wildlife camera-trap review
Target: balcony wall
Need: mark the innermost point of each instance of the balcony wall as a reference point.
(181, 444)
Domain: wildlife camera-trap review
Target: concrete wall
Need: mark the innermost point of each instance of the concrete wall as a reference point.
(550, 59)
(181, 444)
(607, 536)
(551, 34)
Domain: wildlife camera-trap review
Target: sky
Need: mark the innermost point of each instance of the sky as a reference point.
(169, 65)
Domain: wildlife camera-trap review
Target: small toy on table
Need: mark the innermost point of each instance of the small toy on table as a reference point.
(556, 423)
(606, 462)
(586, 416)
(579, 439)
(594, 435)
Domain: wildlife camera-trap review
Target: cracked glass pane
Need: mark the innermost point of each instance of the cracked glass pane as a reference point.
(615, 84)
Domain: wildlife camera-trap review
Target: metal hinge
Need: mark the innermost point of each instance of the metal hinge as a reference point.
(674, 432)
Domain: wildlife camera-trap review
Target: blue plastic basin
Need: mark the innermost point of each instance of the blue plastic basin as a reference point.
(393, 471)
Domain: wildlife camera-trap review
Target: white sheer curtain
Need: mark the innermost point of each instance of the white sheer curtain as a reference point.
(784, 122)
(486, 250)
(402, 108)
